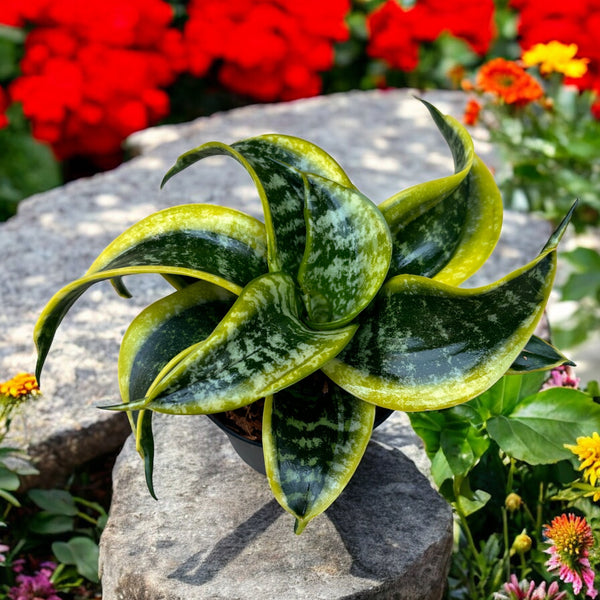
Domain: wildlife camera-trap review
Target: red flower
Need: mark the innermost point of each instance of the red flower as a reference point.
(268, 49)
(395, 33)
(391, 36)
(92, 71)
(472, 111)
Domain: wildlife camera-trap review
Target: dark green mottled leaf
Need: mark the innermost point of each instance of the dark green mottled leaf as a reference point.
(347, 254)
(259, 348)
(276, 164)
(314, 436)
(157, 335)
(538, 355)
(216, 244)
(425, 345)
(448, 227)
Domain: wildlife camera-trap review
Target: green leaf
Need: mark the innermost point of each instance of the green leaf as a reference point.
(158, 334)
(276, 164)
(425, 345)
(453, 434)
(56, 502)
(538, 355)
(259, 348)
(314, 436)
(455, 237)
(9, 480)
(26, 167)
(216, 245)
(348, 250)
(407, 205)
(540, 425)
(81, 552)
(49, 524)
(449, 226)
(228, 245)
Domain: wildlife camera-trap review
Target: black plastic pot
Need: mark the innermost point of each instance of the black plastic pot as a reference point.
(251, 451)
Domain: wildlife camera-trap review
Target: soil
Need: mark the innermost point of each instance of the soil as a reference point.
(245, 421)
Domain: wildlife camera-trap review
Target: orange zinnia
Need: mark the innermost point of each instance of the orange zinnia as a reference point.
(507, 80)
(472, 111)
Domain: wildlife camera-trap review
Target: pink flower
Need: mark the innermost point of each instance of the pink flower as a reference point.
(527, 590)
(35, 587)
(563, 376)
(3, 548)
(571, 538)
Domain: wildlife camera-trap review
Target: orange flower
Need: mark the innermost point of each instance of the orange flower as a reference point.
(22, 384)
(507, 80)
(472, 111)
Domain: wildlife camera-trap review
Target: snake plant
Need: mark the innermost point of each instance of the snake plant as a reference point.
(329, 308)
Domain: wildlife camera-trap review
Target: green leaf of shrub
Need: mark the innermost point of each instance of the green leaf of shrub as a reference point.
(49, 524)
(538, 428)
(9, 480)
(81, 552)
(57, 502)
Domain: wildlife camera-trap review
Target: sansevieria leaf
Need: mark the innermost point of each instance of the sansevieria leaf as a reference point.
(407, 205)
(228, 245)
(426, 345)
(276, 164)
(155, 336)
(259, 348)
(347, 255)
(448, 227)
(216, 244)
(314, 436)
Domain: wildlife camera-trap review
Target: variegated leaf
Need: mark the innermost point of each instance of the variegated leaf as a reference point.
(210, 243)
(446, 228)
(155, 336)
(407, 205)
(347, 256)
(225, 243)
(314, 436)
(454, 238)
(538, 355)
(425, 345)
(276, 164)
(259, 348)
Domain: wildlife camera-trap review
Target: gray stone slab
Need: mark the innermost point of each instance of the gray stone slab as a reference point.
(216, 532)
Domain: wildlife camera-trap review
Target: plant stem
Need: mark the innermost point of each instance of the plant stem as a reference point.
(506, 557)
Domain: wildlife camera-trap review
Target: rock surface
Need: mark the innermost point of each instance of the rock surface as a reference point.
(216, 532)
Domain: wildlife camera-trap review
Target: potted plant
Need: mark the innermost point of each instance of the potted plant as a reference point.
(332, 307)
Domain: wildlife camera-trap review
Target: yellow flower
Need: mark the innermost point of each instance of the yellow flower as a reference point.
(20, 385)
(555, 57)
(587, 450)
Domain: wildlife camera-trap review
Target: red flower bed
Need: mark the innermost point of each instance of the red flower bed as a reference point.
(397, 33)
(93, 71)
(268, 49)
(576, 21)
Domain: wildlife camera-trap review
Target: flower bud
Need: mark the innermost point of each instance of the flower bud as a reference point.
(521, 544)
(513, 502)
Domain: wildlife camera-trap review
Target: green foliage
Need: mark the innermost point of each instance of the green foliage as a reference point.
(583, 287)
(26, 166)
(508, 440)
